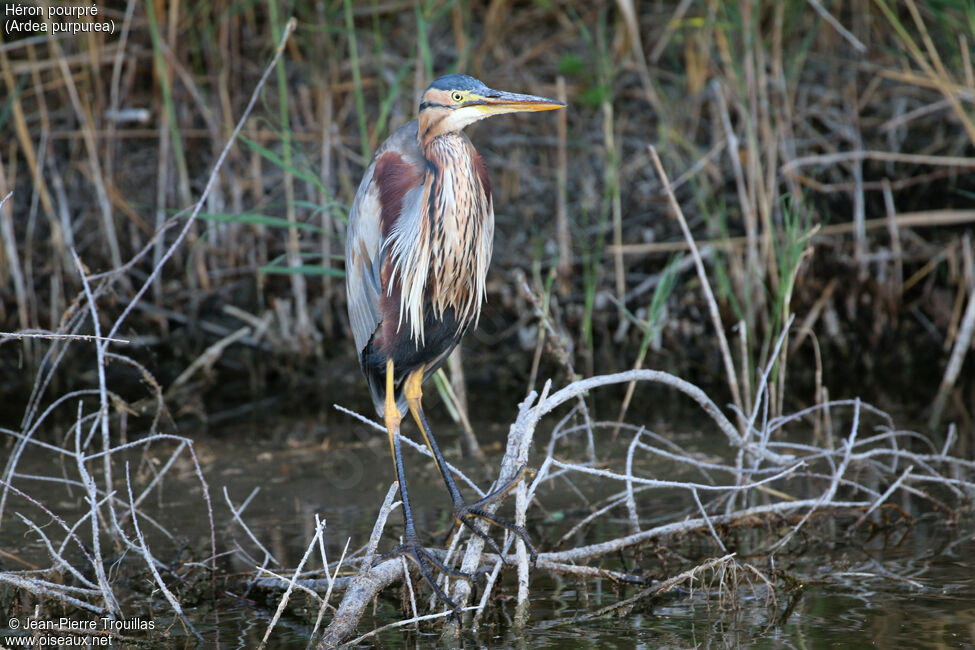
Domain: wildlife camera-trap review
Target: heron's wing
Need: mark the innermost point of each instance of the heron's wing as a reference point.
(397, 168)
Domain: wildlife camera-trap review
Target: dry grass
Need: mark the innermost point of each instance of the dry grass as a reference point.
(765, 113)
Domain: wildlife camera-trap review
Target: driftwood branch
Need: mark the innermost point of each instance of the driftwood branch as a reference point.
(756, 462)
(367, 584)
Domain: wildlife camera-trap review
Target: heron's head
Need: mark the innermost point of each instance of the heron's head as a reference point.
(455, 100)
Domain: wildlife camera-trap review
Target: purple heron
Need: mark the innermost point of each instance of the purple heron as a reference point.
(419, 243)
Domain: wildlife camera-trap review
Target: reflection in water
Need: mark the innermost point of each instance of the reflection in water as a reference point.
(910, 587)
(904, 585)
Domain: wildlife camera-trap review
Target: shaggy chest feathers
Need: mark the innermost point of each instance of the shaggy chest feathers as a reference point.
(439, 248)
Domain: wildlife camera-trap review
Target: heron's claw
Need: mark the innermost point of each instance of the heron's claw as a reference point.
(422, 558)
(466, 514)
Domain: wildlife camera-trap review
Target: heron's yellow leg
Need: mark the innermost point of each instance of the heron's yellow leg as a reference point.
(411, 389)
(391, 411)
(411, 546)
(414, 393)
(464, 513)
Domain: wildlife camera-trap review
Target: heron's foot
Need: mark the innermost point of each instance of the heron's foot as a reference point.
(424, 559)
(468, 514)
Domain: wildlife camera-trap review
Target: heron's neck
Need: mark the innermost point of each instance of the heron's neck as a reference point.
(461, 226)
(447, 150)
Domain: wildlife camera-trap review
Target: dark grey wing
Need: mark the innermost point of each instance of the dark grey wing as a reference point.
(364, 244)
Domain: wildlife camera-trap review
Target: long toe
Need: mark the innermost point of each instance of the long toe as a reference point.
(424, 559)
(524, 473)
(468, 514)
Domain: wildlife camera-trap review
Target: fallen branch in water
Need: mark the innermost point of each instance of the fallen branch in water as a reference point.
(779, 480)
(367, 583)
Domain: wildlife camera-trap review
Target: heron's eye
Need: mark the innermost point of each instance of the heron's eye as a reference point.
(457, 97)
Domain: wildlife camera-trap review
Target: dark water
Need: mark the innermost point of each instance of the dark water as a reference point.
(912, 588)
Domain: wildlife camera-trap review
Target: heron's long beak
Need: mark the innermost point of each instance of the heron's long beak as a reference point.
(498, 102)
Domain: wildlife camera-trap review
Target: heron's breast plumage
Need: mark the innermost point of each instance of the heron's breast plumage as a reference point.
(439, 247)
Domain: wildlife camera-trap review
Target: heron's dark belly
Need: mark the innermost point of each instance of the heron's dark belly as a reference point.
(441, 335)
